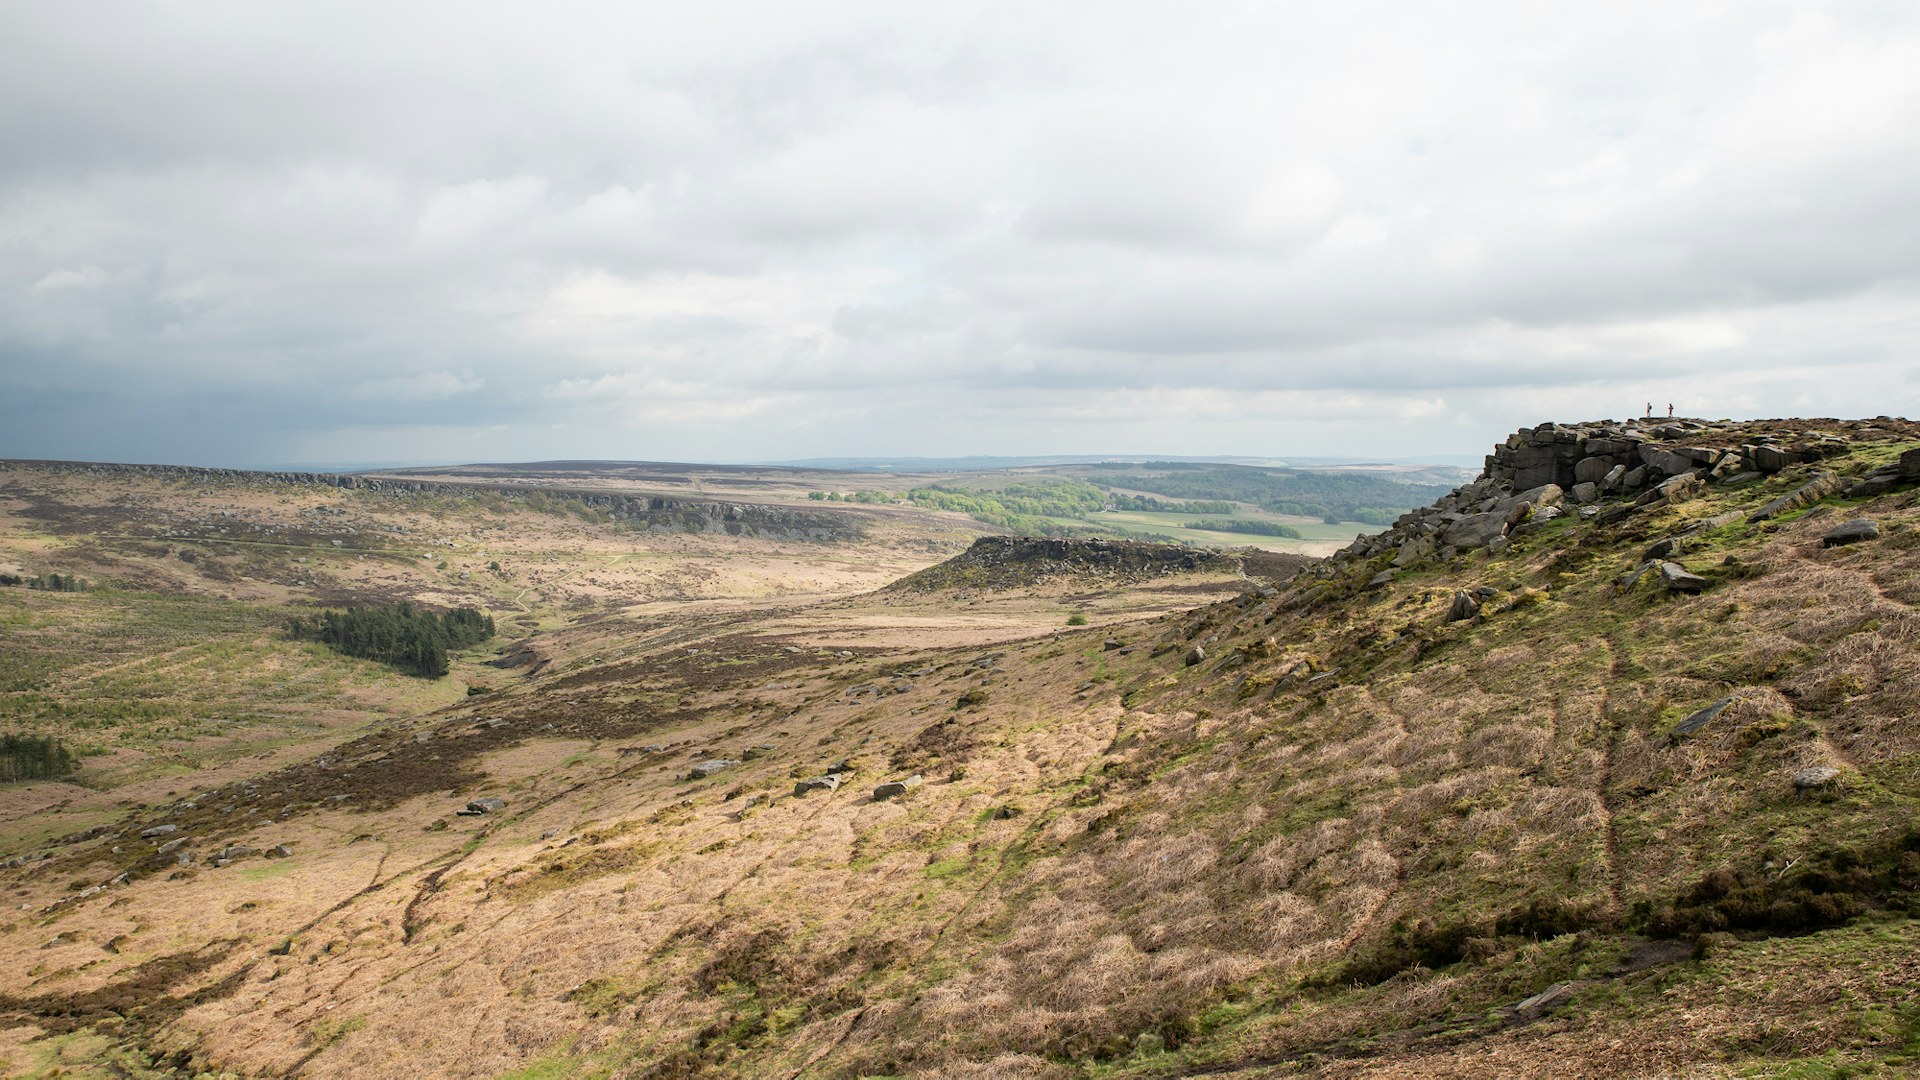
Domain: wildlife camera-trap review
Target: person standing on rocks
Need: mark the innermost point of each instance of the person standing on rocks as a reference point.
(1649, 410)
(1669, 410)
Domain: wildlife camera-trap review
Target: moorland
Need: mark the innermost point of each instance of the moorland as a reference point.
(1597, 764)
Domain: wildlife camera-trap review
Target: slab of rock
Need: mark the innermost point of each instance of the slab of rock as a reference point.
(1678, 578)
(702, 770)
(1851, 532)
(278, 851)
(1701, 718)
(1380, 580)
(477, 807)
(895, 788)
(829, 782)
(1807, 494)
(159, 830)
(1465, 606)
(1585, 492)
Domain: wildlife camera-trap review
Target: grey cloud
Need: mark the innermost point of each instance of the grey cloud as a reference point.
(749, 230)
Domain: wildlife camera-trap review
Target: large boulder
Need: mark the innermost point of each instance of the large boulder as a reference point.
(1851, 532)
(1476, 530)
(1771, 459)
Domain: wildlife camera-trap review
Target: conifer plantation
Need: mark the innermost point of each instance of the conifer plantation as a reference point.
(411, 640)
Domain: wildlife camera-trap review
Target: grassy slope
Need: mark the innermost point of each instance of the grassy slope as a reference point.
(1121, 864)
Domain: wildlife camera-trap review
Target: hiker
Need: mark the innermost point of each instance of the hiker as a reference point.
(1649, 410)
(1669, 410)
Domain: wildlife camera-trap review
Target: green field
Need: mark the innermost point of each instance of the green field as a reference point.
(1173, 527)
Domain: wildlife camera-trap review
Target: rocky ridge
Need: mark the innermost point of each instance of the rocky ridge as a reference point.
(1607, 471)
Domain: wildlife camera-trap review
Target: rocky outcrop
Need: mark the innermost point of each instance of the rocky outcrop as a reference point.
(996, 562)
(1608, 471)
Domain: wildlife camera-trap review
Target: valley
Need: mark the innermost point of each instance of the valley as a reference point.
(791, 786)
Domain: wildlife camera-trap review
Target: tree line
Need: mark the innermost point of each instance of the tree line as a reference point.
(46, 582)
(31, 757)
(414, 641)
(1245, 525)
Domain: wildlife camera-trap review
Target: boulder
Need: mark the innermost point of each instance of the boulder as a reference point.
(1678, 578)
(1814, 777)
(828, 782)
(488, 805)
(1592, 470)
(1380, 580)
(159, 830)
(895, 788)
(1475, 530)
(1851, 532)
(1665, 462)
(704, 769)
(1635, 478)
(1465, 606)
(1586, 492)
(1910, 464)
(278, 851)
(1662, 549)
(1196, 655)
(1111, 644)
(1616, 477)
(1771, 459)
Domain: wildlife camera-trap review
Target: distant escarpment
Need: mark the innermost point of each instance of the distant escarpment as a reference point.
(651, 512)
(1010, 562)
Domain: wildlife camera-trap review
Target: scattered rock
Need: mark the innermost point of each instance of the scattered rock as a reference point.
(278, 851)
(1196, 655)
(1701, 718)
(829, 782)
(487, 805)
(1852, 532)
(702, 770)
(1111, 644)
(895, 788)
(1464, 607)
(1814, 777)
(1380, 580)
(1678, 578)
(159, 830)
(1556, 994)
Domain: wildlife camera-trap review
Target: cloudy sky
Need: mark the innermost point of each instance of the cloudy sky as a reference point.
(275, 233)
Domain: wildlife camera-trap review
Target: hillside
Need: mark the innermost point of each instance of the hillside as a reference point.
(1601, 765)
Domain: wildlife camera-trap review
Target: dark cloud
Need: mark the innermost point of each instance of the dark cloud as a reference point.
(755, 230)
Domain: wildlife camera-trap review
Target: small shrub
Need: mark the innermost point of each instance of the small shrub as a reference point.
(1076, 620)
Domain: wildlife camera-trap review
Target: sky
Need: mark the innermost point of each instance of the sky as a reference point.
(273, 234)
